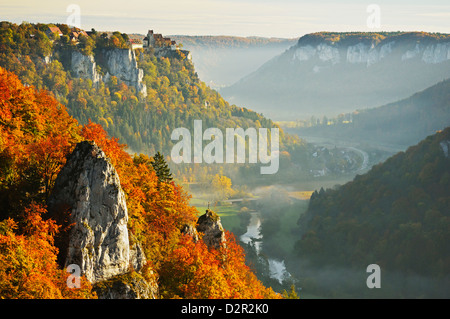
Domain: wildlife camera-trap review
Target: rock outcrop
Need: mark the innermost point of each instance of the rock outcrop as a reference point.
(127, 286)
(121, 63)
(213, 233)
(84, 66)
(88, 185)
(88, 190)
(191, 231)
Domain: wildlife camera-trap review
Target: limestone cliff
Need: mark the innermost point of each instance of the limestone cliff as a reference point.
(84, 66)
(88, 190)
(369, 52)
(121, 63)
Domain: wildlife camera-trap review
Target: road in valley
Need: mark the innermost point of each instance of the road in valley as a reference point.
(355, 147)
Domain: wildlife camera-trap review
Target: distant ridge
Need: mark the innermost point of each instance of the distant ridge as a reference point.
(328, 73)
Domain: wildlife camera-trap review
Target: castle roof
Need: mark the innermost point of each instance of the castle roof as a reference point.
(135, 41)
(55, 30)
(77, 32)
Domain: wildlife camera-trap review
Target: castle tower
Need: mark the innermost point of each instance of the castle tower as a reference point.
(151, 38)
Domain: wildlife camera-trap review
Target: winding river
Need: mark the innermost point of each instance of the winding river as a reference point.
(253, 235)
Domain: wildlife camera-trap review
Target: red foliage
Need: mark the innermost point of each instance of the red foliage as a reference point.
(194, 271)
(36, 135)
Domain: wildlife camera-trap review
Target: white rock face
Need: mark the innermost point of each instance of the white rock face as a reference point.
(304, 53)
(410, 54)
(369, 54)
(386, 49)
(430, 54)
(122, 63)
(328, 53)
(323, 51)
(445, 146)
(358, 53)
(84, 66)
(436, 53)
(89, 187)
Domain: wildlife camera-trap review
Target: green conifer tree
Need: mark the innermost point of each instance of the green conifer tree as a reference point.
(161, 168)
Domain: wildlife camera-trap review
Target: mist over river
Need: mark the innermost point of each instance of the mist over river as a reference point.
(277, 268)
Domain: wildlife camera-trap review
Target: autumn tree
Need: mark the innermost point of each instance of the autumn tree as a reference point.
(221, 188)
(193, 270)
(36, 134)
(28, 267)
(292, 294)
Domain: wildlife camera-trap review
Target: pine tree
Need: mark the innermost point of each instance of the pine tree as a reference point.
(161, 168)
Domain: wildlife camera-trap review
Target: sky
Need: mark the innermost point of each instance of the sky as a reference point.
(267, 18)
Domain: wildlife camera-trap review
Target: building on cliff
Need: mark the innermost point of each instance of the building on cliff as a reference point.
(136, 44)
(164, 47)
(122, 62)
(75, 34)
(53, 29)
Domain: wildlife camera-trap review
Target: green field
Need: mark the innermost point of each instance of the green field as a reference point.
(229, 213)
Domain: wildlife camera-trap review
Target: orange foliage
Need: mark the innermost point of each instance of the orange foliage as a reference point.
(28, 267)
(194, 271)
(36, 135)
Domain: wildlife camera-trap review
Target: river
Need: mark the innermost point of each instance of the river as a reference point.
(253, 235)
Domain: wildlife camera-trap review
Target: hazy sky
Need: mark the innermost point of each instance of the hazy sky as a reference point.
(277, 18)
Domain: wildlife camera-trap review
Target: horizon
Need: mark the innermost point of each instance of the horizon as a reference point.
(286, 19)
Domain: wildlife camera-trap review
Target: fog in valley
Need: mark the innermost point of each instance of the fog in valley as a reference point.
(338, 105)
(222, 61)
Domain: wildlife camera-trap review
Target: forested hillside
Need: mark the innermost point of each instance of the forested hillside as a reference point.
(396, 216)
(36, 136)
(175, 94)
(405, 122)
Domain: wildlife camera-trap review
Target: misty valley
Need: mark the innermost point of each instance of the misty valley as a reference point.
(339, 149)
(113, 145)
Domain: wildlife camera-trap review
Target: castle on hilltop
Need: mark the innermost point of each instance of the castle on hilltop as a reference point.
(156, 40)
(163, 47)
